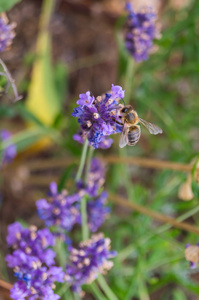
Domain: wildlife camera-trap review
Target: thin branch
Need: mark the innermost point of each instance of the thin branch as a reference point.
(153, 214)
(11, 81)
(5, 285)
(136, 161)
(149, 163)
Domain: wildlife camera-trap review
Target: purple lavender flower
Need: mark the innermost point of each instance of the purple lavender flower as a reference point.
(40, 285)
(10, 151)
(62, 209)
(32, 261)
(6, 33)
(97, 117)
(140, 33)
(30, 244)
(192, 255)
(90, 259)
(97, 211)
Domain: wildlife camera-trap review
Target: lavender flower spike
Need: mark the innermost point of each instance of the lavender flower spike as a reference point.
(62, 210)
(90, 259)
(141, 30)
(32, 261)
(98, 117)
(97, 212)
(6, 33)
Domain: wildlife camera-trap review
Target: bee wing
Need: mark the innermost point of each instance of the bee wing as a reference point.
(152, 128)
(124, 136)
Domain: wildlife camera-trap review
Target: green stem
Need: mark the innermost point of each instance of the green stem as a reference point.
(82, 161)
(96, 291)
(85, 230)
(129, 76)
(88, 163)
(131, 248)
(104, 286)
(142, 290)
(47, 10)
(76, 296)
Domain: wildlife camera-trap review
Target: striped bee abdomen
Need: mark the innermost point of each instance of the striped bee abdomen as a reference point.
(134, 135)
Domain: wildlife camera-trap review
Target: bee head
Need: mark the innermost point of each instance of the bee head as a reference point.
(126, 109)
(129, 115)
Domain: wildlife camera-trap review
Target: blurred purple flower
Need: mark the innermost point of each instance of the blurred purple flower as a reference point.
(140, 33)
(90, 259)
(10, 151)
(6, 33)
(32, 261)
(95, 180)
(62, 210)
(97, 211)
(97, 117)
(39, 286)
(30, 244)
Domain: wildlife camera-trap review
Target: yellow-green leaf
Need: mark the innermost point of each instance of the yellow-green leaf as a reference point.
(42, 98)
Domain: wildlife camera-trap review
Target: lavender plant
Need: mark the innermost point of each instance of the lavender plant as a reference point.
(35, 256)
(33, 262)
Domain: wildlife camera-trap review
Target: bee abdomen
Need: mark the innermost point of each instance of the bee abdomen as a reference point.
(134, 135)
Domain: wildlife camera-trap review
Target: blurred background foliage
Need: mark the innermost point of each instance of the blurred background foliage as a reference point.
(76, 47)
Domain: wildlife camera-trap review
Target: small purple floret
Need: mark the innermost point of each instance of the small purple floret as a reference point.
(85, 99)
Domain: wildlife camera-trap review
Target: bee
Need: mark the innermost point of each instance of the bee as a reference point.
(131, 131)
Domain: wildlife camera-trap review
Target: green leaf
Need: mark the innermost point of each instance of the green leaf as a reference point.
(27, 115)
(28, 137)
(195, 188)
(7, 4)
(179, 295)
(43, 99)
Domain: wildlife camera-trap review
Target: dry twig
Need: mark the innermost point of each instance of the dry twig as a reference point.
(5, 285)
(137, 161)
(153, 214)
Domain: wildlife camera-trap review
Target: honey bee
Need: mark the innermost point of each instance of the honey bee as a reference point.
(131, 131)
